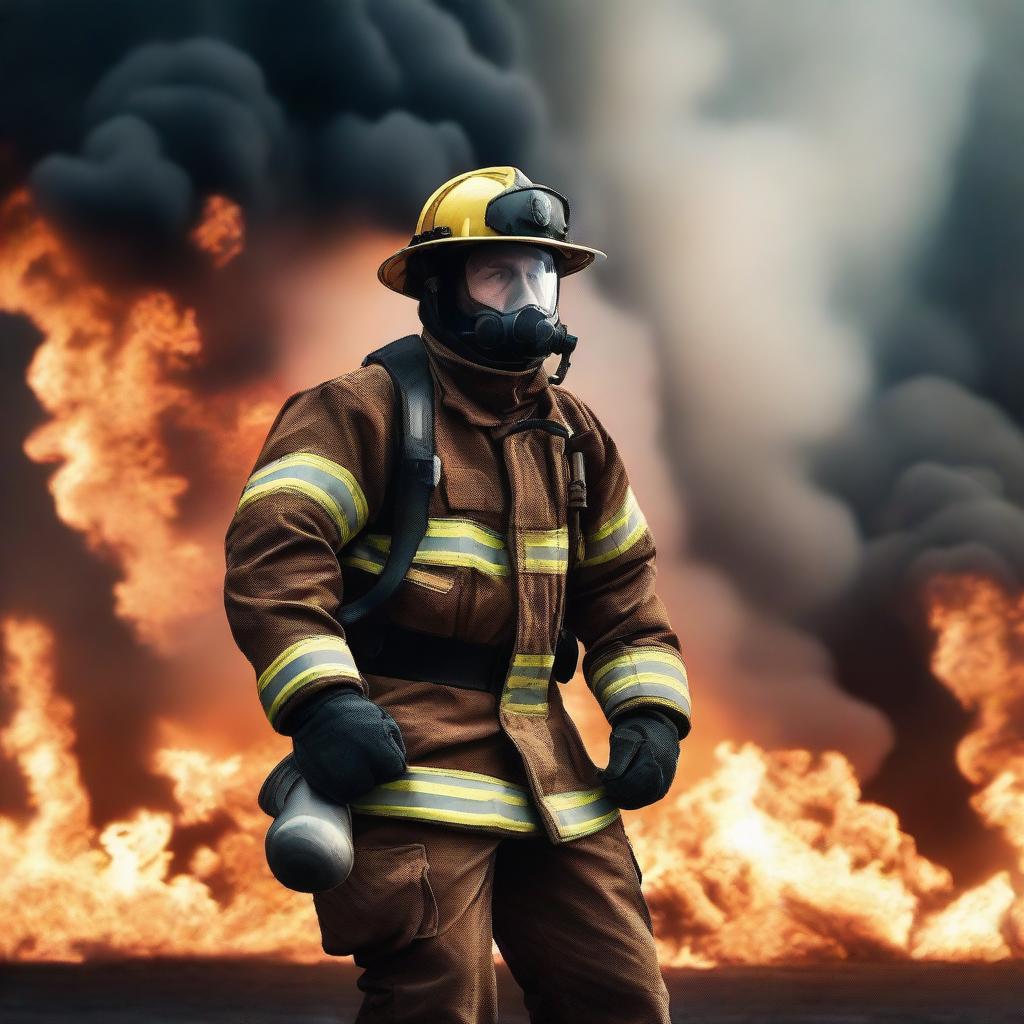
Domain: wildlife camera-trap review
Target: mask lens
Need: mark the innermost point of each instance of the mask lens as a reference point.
(507, 277)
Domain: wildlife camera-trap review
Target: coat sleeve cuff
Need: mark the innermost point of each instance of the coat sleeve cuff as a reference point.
(304, 667)
(636, 677)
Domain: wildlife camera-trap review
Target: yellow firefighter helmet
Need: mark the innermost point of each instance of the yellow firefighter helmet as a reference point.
(487, 205)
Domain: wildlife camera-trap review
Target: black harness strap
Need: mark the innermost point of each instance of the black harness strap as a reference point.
(388, 649)
(418, 472)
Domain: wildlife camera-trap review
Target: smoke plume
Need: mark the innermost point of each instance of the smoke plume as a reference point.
(814, 215)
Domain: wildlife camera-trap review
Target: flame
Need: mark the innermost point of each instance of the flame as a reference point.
(109, 373)
(979, 657)
(69, 890)
(773, 858)
(221, 230)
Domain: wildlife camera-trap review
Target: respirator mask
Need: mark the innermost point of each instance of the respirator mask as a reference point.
(499, 306)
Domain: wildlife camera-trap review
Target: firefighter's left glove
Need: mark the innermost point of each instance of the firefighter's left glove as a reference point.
(643, 753)
(345, 744)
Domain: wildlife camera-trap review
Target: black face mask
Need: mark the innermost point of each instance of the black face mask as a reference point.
(527, 332)
(519, 339)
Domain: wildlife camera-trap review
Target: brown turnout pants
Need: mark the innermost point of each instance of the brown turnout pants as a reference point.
(422, 902)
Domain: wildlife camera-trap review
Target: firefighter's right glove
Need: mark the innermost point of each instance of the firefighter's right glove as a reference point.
(643, 753)
(345, 744)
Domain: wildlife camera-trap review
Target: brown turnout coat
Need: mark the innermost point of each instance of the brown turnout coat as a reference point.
(504, 559)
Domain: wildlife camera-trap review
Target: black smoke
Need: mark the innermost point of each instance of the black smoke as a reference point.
(934, 467)
(123, 118)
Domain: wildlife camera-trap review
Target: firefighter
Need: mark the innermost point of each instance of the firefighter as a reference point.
(476, 809)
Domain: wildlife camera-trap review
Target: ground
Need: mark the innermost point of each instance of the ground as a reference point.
(257, 992)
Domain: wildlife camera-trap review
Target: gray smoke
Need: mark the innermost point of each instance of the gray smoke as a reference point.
(818, 208)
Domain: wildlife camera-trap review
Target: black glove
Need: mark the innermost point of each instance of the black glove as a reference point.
(644, 750)
(345, 744)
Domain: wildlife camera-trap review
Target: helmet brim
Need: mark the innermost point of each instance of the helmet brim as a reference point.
(393, 273)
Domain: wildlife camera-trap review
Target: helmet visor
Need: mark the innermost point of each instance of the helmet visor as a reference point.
(538, 211)
(507, 276)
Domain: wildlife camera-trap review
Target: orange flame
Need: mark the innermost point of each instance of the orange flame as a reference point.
(773, 858)
(68, 890)
(221, 230)
(108, 373)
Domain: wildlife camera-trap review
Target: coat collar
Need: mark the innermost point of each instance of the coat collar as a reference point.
(486, 396)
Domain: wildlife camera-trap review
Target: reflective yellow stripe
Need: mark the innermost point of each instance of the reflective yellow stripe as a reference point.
(451, 541)
(642, 675)
(519, 708)
(581, 812)
(533, 660)
(303, 662)
(617, 535)
(646, 677)
(368, 557)
(633, 654)
(331, 486)
(563, 801)
(526, 685)
(453, 797)
(544, 550)
(458, 526)
(450, 796)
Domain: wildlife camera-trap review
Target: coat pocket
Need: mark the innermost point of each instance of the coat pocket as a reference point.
(384, 904)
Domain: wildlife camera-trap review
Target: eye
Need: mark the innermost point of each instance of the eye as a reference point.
(496, 274)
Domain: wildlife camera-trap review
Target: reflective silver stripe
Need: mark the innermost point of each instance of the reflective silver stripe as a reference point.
(617, 535)
(544, 550)
(453, 797)
(524, 696)
(526, 685)
(330, 485)
(309, 659)
(449, 541)
(648, 675)
(654, 693)
(581, 812)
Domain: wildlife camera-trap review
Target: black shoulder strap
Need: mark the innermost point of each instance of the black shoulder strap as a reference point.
(418, 471)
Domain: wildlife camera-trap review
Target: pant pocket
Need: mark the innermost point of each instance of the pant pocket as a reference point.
(382, 906)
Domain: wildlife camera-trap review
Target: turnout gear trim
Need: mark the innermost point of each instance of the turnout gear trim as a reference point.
(641, 676)
(617, 535)
(300, 664)
(456, 542)
(544, 550)
(453, 797)
(526, 686)
(331, 486)
(581, 812)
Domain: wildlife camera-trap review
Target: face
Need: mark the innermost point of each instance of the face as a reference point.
(506, 276)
